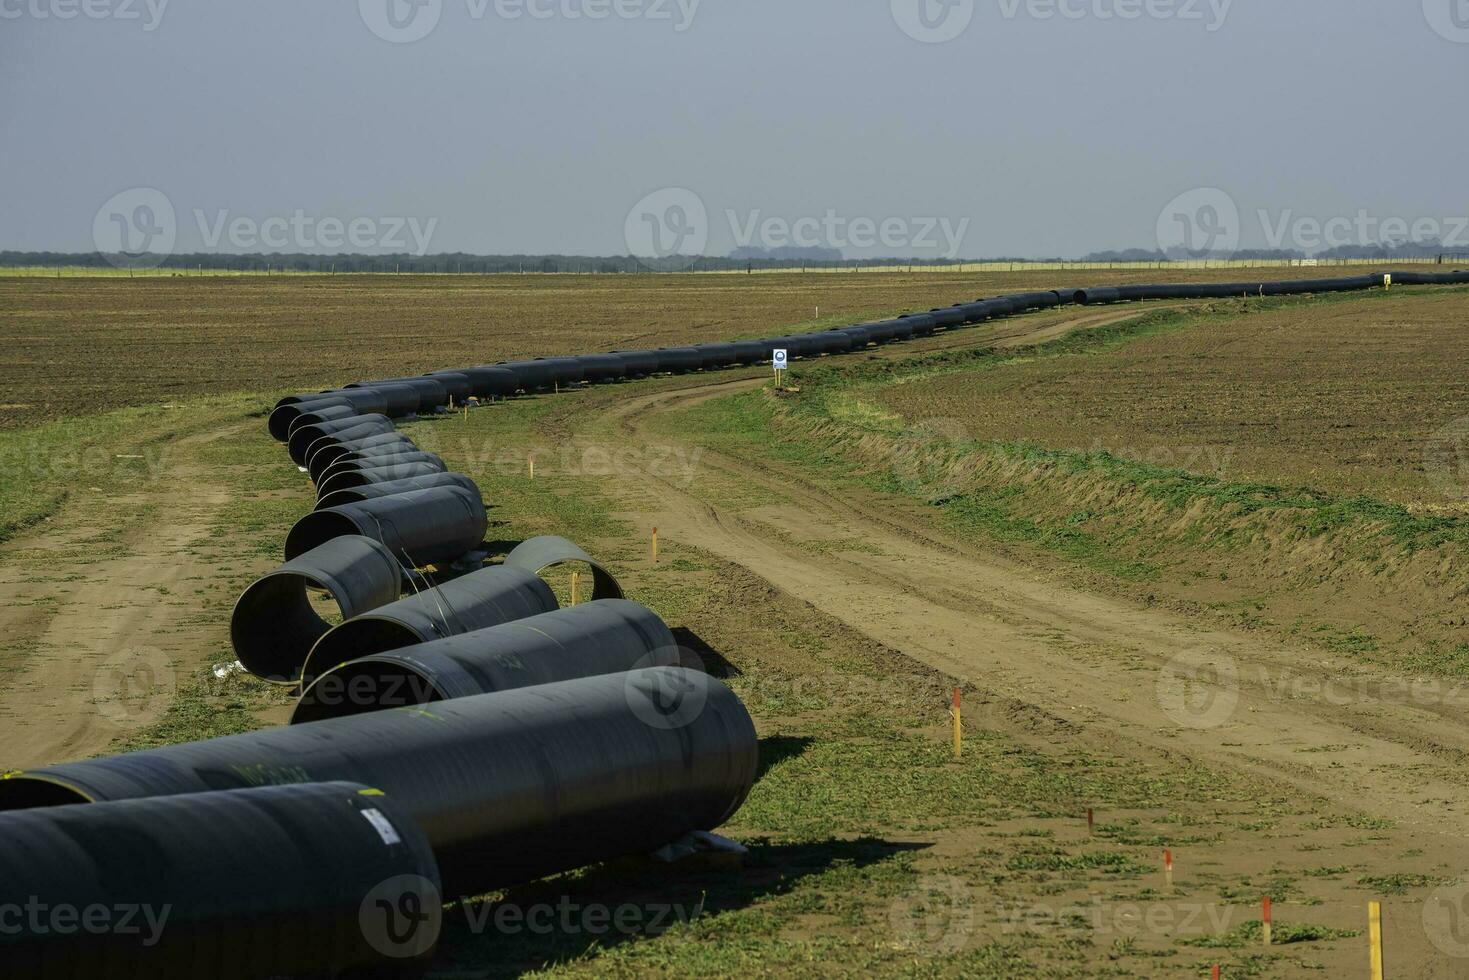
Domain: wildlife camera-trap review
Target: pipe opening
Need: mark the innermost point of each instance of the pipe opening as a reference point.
(30, 792)
(364, 686)
(316, 529)
(355, 639)
(277, 621)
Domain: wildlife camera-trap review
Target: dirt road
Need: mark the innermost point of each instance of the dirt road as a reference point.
(98, 602)
(1128, 672)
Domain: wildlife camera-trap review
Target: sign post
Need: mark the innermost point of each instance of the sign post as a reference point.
(778, 361)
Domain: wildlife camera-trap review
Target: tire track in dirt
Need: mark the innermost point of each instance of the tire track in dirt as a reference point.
(109, 647)
(1104, 663)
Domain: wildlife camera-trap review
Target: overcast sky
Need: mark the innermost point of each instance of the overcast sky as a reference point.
(971, 127)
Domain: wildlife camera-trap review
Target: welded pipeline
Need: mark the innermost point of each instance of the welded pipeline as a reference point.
(430, 392)
(600, 367)
(377, 469)
(607, 636)
(274, 626)
(355, 486)
(383, 444)
(491, 381)
(456, 384)
(482, 598)
(367, 401)
(537, 554)
(301, 437)
(507, 787)
(637, 363)
(678, 360)
(270, 881)
(421, 527)
(378, 461)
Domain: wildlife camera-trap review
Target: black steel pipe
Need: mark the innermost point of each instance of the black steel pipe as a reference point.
(748, 352)
(421, 527)
(529, 375)
(600, 367)
(678, 360)
(347, 464)
(456, 384)
(382, 444)
(507, 787)
(274, 626)
(328, 412)
(367, 401)
(353, 486)
(483, 598)
(607, 636)
(638, 363)
(430, 391)
(535, 555)
(345, 473)
(718, 355)
(301, 437)
(492, 381)
(270, 881)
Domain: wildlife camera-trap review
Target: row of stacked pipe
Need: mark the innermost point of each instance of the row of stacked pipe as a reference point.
(456, 732)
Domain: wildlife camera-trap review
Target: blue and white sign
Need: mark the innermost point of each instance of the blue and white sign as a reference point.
(778, 358)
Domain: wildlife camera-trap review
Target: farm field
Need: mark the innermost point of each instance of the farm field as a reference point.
(846, 553)
(82, 345)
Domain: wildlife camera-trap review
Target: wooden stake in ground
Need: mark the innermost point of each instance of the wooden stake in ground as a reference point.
(1374, 937)
(1265, 923)
(958, 727)
(655, 544)
(530, 467)
(1168, 869)
(574, 576)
